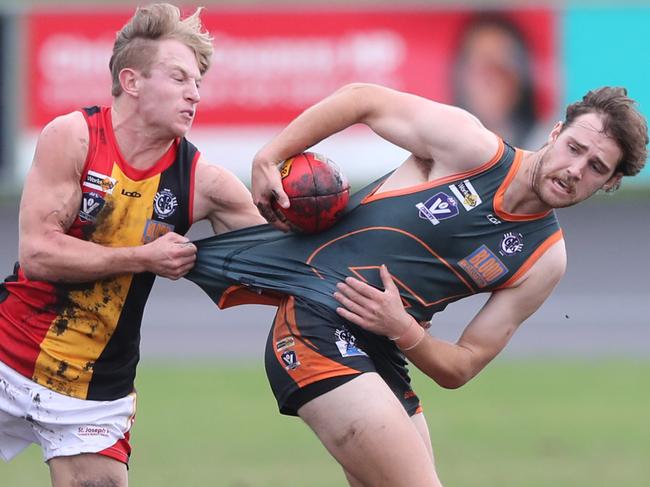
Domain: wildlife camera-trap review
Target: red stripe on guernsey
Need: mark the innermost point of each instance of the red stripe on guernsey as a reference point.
(373, 196)
(498, 197)
(398, 230)
(27, 316)
(102, 165)
(310, 365)
(534, 257)
(190, 206)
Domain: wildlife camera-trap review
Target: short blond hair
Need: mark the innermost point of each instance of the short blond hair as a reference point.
(136, 44)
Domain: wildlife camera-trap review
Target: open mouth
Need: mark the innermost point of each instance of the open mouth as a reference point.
(563, 185)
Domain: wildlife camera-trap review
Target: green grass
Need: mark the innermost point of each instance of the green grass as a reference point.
(521, 423)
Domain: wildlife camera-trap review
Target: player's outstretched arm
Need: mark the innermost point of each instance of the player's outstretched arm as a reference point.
(431, 131)
(50, 202)
(223, 199)
(452, 365)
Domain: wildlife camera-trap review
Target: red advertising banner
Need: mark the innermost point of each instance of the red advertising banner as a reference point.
(270, 65)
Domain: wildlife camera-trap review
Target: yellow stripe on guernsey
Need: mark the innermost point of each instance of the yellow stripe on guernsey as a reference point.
(82, 329)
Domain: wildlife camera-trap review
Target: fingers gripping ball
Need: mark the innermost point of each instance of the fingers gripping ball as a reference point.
(317, 190)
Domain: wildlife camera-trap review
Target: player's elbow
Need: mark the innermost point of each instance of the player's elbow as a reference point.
(457, 375)
(453, 380)
(33, 262)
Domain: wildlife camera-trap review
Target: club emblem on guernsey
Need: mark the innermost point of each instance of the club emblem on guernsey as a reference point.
(290, 360)
(347, 344)
(165, 203)
(511, 243)
(91, 205)
(466, 194)
(439, 207)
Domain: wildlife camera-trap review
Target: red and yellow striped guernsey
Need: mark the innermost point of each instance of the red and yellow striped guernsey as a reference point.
(83, 340)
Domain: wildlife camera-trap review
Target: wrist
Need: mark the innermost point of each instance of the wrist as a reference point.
(411, 337)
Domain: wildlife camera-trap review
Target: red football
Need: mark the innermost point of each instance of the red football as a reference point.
(317, 190)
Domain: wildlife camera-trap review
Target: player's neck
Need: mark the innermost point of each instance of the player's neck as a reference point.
(140, 147)
(520, 196)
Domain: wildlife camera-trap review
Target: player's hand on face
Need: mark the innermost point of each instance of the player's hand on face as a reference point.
(378, 311)
(170, 255)
(266, 187)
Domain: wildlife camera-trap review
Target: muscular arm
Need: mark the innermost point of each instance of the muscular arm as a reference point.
(223, 199)
(447, 135)
(453, 364)
(50, 202)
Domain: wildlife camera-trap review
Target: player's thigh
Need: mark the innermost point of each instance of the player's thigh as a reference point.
(87, 469)
(365, 427)
(420, 423)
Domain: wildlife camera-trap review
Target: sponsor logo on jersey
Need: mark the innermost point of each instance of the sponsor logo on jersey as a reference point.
(91, 204)
(466, 194)
(493, 219)
(439, 207)
(290, 360)
(284, 343)
(483, 266)
(100, 182)
(154, 229)
(346, 342)
(131, 194)
(511, 243)
(165, 203)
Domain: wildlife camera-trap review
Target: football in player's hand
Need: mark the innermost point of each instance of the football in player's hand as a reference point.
(318, 192)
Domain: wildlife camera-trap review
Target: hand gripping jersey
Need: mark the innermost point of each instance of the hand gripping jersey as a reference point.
(441, 240)
(82, 340)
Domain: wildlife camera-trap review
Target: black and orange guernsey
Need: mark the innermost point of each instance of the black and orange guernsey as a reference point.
(82, 340)
(441, 240)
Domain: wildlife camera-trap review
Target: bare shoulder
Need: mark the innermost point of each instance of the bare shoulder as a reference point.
(215, 181)
(63, 141)
(222, 198)
(467, 143)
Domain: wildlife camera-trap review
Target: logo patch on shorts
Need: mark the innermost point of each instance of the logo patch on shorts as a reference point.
(466, 194)
(154, 229)
(439, 207)
(165, 203)
(346, 342)
(290, 360)
(93, 431)
(511, 243)
(91, 204)
(483, 266)
(100, 182)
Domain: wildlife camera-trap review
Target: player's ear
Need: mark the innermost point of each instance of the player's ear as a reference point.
(557, 128)
(129, 80)
(614, 182)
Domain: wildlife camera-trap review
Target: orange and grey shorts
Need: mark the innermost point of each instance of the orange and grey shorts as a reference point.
(311, 350)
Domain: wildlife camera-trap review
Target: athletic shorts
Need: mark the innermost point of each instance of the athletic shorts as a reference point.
(61, 425)
(311, 350)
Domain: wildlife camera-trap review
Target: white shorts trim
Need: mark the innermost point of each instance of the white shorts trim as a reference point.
(61, 425)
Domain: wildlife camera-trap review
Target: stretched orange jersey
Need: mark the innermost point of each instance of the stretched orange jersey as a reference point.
(83, 340)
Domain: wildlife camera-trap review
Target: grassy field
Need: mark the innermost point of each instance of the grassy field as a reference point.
(521, 423)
